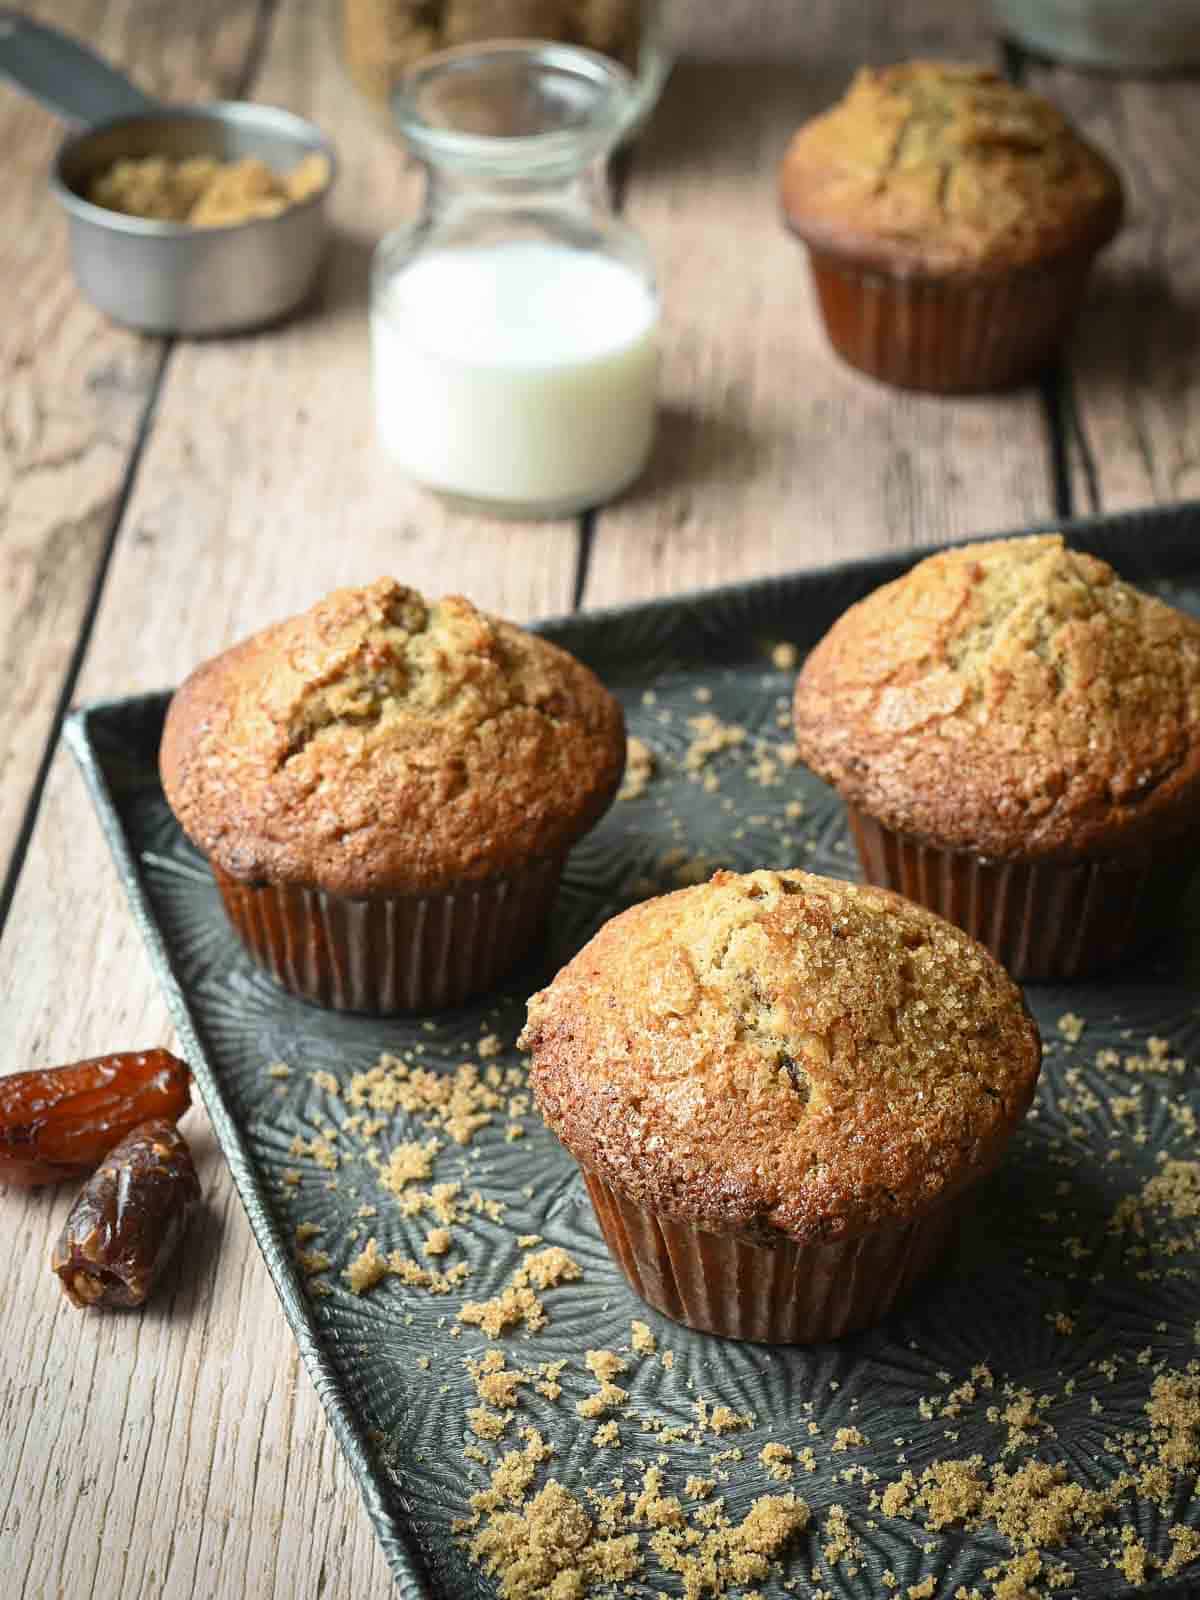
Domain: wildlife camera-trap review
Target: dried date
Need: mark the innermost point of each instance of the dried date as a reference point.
(130, 1217)
(62, 1121)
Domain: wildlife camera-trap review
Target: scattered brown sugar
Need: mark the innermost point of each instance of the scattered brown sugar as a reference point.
(784, 656)
(458, 1104)
(606, 1436)
(326, 1082)
(604, 1365)
(1071, 1027)
(408, 1163)
(710, 736)
(204, 191)
(639, 769)
(721, 1419)
(841, 1543)
(279, 1069)
(509, 1309)
(367, 1269)
(847, 1439)
(923, 1590)
(438, 1241)
(486, 1424)
(777, 1459)
(643, 1341)
(313, 1261)
(730, 1554)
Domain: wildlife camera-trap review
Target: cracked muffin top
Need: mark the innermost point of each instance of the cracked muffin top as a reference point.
(1015, 699)
(380, 743)
(938, 168)
(777, 1053)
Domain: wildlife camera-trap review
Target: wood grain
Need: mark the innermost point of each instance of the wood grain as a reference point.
(771, 454)
(75, 386)
(183, 1452)
(1134, 363)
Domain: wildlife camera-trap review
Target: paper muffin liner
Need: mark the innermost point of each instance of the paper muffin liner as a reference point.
(392, 952)
(943, 336)
(1042, 920)
(782, 1293)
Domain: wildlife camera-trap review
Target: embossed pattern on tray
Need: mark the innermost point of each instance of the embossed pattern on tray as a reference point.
(403, 1426)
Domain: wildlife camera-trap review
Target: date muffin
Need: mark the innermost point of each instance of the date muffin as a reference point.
(1016, 734)
(386, 788)
(781, 1089)
(951, 221)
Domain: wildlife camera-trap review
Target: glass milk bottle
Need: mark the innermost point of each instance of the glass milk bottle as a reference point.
(513, 326)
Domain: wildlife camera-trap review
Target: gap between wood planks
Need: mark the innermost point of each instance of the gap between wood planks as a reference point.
(239, 90)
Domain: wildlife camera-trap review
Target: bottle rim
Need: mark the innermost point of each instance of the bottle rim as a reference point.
(603, 95)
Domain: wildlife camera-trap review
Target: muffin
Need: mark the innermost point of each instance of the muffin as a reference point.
(951, 220)
(386, 789)
(781, 1089)
(1016, 734)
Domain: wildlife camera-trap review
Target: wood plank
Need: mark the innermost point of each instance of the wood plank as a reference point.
(184, 1451)
(1134, 362)
(76, 386)
(772, 454)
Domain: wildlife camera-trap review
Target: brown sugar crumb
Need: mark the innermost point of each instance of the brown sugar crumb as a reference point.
(777, 1459)
(319, 1148)
(204, 191)
(730, 1555)
(526, 1241)
(548, 1268)
(408, 1163)
(606, 1398)
(699, 1488)
(721, 1419)
(1185, 1548)
(604, 1365)
(841, 1544)
(438, 1241)
(279, 1069)
(710, 737)
(1071, 1027)
(313, 1261)
(923, 1590)
(606, 1436)
(326, 1082)
(489, 1045)
(643, 1341)
(1133, 1559)
(784, 656)
(291, 1176)
(847, 1439)
(306, 1231)
(652, 1508)
(509, 1309)
(639, 769)
(896, 1498)
(366, 1269)
(486, 1424)
(668, 1359)
(495, 1382)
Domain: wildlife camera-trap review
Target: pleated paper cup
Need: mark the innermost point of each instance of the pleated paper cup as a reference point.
(392, 953)
(779, 1293)
(1043, 920)
(948, 336)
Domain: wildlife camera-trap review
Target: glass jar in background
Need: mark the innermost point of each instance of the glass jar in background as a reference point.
(1113, 35)
(514, 324)
(382, 39)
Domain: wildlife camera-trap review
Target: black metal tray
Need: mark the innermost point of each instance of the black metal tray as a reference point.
(403, 1425)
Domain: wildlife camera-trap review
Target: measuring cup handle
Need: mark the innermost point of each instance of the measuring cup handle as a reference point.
(64, 75)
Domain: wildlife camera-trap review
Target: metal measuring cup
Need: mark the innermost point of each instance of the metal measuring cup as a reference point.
(169, 277)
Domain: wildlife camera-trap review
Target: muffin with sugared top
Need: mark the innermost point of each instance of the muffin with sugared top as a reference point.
(780, 1088)
(951, 220)
(386, 789)
(1016, 733)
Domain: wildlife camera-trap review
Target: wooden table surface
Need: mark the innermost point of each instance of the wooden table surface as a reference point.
(160, 499)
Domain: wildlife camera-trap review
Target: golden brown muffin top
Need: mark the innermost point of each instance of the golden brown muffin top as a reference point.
(938, 168)
(379, 743)
(1015, 699)
(780, 1053)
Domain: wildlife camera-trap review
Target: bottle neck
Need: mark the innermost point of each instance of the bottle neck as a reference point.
(450, 193)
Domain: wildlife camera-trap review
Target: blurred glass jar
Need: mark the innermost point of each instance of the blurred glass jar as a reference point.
(1118, 35)
(382, 39)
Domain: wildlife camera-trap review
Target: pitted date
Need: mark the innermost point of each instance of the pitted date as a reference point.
(62, 1121)
(126, 1224)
